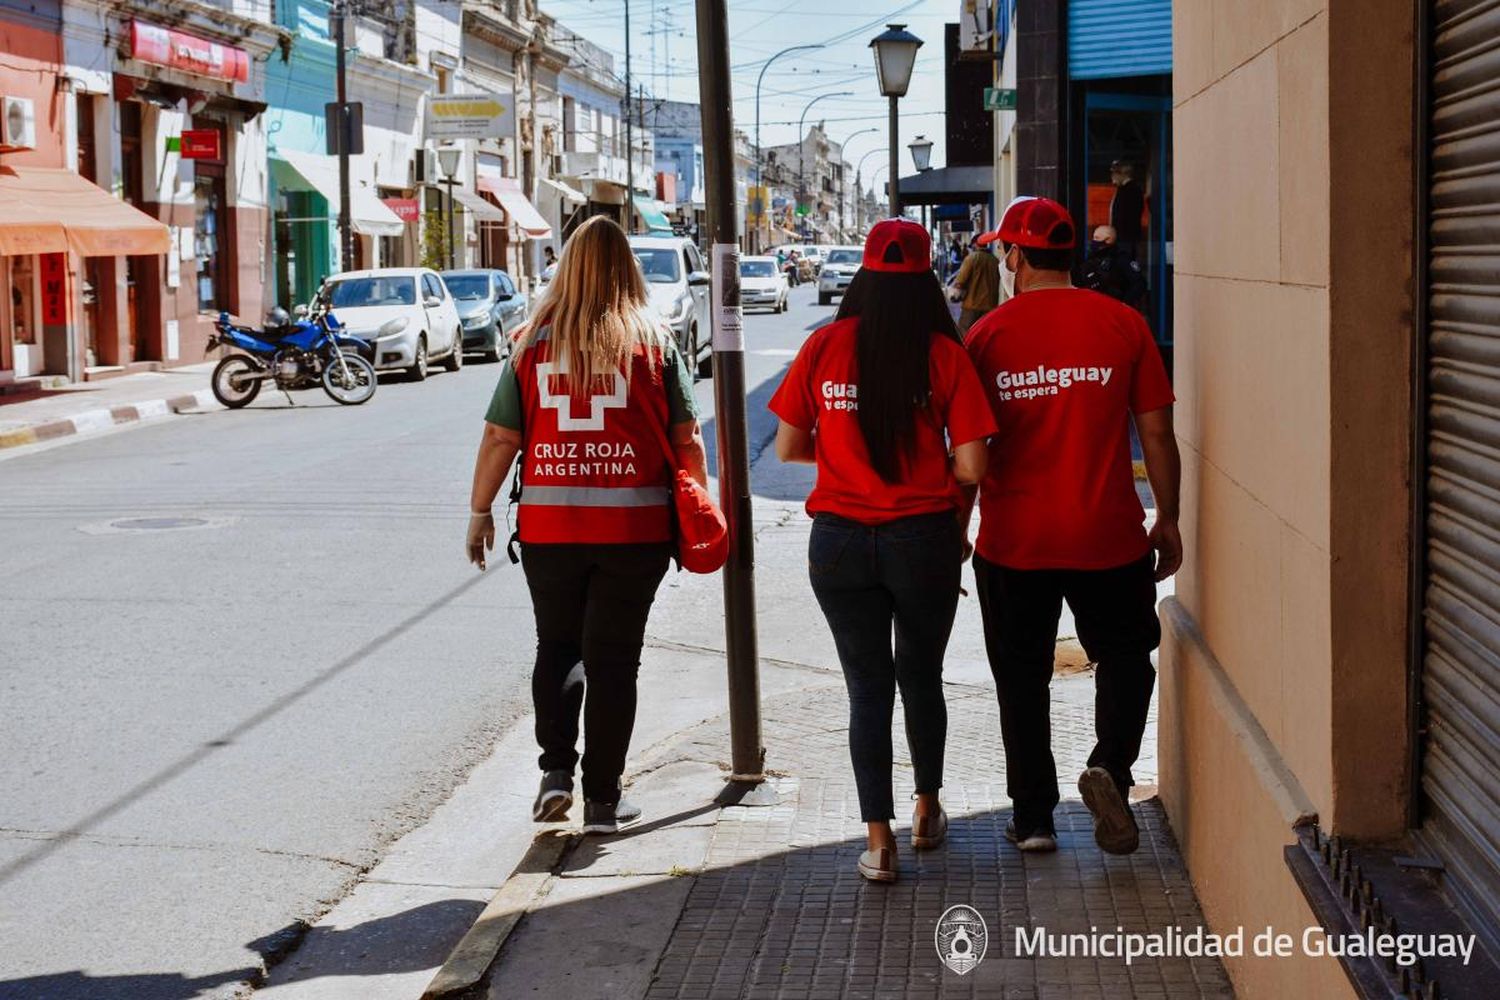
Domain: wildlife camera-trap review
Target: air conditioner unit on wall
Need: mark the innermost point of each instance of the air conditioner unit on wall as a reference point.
(17, 124)
(424, 168)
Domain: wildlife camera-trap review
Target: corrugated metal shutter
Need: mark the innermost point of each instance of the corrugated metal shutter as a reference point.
(1112, 38)
(1461, 669)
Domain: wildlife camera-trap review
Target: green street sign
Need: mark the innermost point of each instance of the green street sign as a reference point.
(998, 99)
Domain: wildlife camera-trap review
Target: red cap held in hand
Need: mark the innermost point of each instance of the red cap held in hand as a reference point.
(898, 245)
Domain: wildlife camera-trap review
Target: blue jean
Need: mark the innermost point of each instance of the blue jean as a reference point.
(900, 578)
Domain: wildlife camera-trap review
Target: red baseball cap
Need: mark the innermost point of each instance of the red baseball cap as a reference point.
(1038, 223)
(913, 247)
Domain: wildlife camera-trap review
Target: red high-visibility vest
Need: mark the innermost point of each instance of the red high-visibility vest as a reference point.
(593, 470)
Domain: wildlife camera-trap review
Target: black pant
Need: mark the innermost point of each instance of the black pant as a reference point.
(1115, 611)
(591, 603)
(869, 579)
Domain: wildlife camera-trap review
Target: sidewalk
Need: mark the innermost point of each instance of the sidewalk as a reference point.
(707, 902)
(701, 902)
(34, 416)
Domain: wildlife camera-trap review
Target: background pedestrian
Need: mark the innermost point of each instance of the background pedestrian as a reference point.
(979, 281)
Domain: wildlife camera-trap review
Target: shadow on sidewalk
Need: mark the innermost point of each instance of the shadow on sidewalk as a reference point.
(409, 941)
(777, 909)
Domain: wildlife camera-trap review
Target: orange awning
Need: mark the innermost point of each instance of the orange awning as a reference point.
(51, 210)
(507, 190)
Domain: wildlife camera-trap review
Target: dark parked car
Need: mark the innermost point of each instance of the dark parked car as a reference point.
(491, 308)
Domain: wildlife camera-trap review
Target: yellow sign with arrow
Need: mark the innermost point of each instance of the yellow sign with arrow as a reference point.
(470, 116)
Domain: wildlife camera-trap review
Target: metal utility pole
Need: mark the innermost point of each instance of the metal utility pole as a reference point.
(346, 226)
(747, 778)
(629, 140)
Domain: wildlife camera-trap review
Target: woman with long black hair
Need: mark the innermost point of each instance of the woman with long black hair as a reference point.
(886, 403)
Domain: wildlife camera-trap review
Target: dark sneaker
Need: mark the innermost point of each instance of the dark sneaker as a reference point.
(607, 818)
(555, 797)
(1114, 824)
(1038, 841)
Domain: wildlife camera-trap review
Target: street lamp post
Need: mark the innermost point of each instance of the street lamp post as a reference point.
(895, 55)
(758, 79)
(843, 180)
(921, 153)
(448, 158)
(802, 143)
(877, 170)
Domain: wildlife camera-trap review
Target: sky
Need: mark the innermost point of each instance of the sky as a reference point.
(664, 58)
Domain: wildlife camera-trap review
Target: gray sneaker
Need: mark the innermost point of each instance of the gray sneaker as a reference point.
(1115, 830)
(1038, 841)
(555, 797)
(606, 818)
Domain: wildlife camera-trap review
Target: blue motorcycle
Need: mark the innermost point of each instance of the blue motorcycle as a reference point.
(294, 354)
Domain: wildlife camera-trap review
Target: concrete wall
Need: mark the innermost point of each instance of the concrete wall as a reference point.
(1283, 673)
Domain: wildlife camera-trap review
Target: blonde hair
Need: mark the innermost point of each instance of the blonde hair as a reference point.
(597, 309)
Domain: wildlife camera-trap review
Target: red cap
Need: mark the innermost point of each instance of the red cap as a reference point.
(913, 253)
(1038, 223)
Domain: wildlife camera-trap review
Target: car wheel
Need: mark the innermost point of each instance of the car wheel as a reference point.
(824, 298)
(418, 370)
(455, 359)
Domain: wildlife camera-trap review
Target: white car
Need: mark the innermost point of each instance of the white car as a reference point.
(839, 265)
(762, 284)
(678, 282)
(407, 313)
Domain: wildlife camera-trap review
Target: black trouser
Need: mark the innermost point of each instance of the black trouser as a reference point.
(591, 603)
(869, 578)
(1115, 611)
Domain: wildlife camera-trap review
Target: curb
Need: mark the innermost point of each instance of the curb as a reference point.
(104, 418)
(472, 957)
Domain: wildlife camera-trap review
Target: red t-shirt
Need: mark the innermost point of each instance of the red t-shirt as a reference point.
(820, 394)
(1064, 368)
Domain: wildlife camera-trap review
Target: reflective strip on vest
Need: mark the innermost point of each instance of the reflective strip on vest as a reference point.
(595, 496)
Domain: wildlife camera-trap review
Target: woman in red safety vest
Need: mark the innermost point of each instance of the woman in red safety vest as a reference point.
(591, 395)
(887, 404)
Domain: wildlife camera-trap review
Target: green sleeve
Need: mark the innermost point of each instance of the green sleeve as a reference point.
(681, 407)
(505, 404)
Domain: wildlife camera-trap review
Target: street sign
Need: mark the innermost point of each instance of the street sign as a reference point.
(999, 99)
(350, 124)
(470, 116)
(200, 144)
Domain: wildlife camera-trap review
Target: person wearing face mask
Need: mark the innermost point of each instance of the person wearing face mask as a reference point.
(1067, 370)
(978, 280)
(1111, 269)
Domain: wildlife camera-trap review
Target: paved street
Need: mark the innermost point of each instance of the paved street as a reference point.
(251, 656)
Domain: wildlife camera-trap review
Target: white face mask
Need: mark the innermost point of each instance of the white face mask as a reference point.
(1007, 277)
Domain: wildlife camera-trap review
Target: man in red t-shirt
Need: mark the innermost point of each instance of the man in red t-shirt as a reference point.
(1066, 370)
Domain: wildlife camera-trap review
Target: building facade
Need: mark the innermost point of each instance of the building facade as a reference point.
(112, 88)
(1093, 123)
(1331, 664)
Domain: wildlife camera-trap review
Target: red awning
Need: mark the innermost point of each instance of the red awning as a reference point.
(51, 210)
(507, 190)
(406, 209)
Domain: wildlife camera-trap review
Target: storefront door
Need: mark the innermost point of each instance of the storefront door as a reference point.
(25, 317)
(1134, 130)
(1457, 711)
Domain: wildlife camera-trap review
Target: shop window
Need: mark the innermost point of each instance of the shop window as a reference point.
(208, 238)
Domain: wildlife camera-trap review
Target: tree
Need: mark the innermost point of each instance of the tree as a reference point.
(434, 241)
